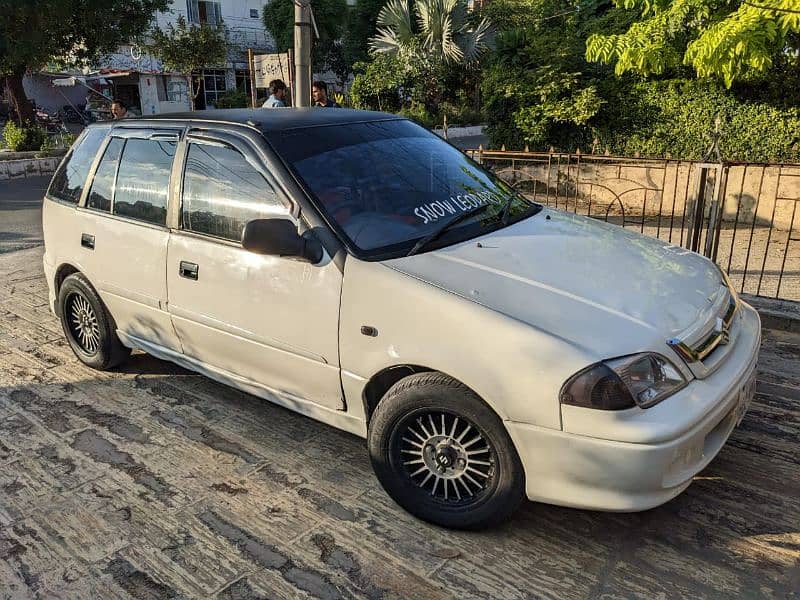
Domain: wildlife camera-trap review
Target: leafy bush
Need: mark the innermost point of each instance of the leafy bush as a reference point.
(378, 85)
(233, 99)
(417, 112)
(677, 117)
(540, 91)
(21, 139)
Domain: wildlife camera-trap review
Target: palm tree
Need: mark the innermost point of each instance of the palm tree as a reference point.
(443, 32)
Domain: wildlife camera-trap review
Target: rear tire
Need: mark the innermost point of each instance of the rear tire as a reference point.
(89, 327)
(443, 455)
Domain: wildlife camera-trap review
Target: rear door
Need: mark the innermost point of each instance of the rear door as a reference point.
(270, 320)
(124, 235)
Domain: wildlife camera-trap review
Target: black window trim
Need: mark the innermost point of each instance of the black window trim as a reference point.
(89, 174)
(225, 139)
(84, 201)
(149, 132)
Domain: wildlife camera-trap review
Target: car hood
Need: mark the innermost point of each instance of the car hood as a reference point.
(576, 277)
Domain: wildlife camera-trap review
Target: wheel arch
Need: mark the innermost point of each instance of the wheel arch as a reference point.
(380, 382)
(383, 380)
(64, 270)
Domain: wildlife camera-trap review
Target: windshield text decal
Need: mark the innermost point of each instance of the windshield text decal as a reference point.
(433, 211)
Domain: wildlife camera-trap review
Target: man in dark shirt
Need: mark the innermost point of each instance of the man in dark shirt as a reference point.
(319, 90)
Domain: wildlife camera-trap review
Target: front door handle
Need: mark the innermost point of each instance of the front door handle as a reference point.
(87, 241)
(188, 270)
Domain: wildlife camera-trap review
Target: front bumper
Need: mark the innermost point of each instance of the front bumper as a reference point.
(601, 474)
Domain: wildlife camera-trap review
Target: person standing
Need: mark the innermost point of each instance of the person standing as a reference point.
(277, 91)
(319, 90)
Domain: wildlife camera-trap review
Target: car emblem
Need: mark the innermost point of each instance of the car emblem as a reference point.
(719, 329)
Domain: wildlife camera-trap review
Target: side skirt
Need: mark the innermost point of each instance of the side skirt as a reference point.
(340, 420)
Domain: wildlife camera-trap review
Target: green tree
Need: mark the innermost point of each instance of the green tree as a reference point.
(361, 24)
(330, 17)
(539, 89)
(185, 48)
(440, 32)
(36, 32)
(728, 39)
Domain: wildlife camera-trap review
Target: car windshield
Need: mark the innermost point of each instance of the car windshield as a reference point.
(386, 185)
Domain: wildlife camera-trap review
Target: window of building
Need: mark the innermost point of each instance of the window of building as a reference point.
(102, 190)
(203, 11)
(143, 180)
(222, 192)
(177, 90)
(68, 182)
(243, 83)
(253, 13)
(213, 85)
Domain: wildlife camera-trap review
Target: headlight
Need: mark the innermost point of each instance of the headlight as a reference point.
(637, 380)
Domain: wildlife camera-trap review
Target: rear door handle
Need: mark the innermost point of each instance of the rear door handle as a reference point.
(188, 270)
(87, 241)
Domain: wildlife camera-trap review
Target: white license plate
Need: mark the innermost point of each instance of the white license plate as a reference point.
(745, 398)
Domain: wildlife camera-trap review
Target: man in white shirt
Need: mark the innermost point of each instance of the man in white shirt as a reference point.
(277, 91)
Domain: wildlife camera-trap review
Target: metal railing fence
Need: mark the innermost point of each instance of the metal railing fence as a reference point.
(742, 215)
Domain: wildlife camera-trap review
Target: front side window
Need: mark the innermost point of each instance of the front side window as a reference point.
(387, 185)
(68, 182)
(143, 181)
(102, 190)
(222, 192)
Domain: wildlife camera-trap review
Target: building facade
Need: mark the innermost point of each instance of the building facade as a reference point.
(141, 81)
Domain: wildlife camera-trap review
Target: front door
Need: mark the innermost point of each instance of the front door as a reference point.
(270, 320)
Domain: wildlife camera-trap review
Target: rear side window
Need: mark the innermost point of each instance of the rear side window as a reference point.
(143, 180)
(222, 192)
(68, 182)
(102, 190)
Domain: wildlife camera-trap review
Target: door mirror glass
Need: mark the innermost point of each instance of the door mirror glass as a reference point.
(279, 237)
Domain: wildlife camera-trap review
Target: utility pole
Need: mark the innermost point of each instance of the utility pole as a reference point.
(302, 52)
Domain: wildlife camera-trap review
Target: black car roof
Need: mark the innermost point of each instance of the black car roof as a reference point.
(277, 119)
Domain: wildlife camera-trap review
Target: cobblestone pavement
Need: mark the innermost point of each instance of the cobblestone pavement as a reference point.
(153, 482)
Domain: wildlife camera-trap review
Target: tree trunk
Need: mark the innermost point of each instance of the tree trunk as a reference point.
(190, 91)
(23, 106)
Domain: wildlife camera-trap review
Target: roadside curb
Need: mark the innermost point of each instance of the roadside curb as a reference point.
(783, 315)
(28, 167)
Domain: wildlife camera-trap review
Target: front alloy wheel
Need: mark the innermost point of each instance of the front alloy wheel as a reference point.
(443, 455)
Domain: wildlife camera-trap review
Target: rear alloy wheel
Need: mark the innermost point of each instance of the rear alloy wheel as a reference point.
(82, 323)
(443, 454)
(89, 327)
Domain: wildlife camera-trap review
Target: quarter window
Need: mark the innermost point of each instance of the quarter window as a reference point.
(143, 181)
(102, 190)
(68, 182)
(222, 192)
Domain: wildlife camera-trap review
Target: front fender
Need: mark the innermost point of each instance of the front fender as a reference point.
(517, 369)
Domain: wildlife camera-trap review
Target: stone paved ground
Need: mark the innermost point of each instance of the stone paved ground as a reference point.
(154, 482)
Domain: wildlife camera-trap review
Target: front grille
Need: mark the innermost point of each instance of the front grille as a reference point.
(704, 349)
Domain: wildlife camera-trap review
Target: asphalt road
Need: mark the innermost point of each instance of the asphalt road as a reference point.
(21, 213)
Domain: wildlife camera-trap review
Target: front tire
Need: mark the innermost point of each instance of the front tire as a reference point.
(443, 455)
(89, 327)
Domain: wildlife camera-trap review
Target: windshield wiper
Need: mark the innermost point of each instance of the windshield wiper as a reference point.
(433, 235)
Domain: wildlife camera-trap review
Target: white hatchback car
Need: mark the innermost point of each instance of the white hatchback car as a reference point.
(355, 268)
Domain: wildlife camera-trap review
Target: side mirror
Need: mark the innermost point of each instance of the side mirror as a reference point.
(279, 237)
